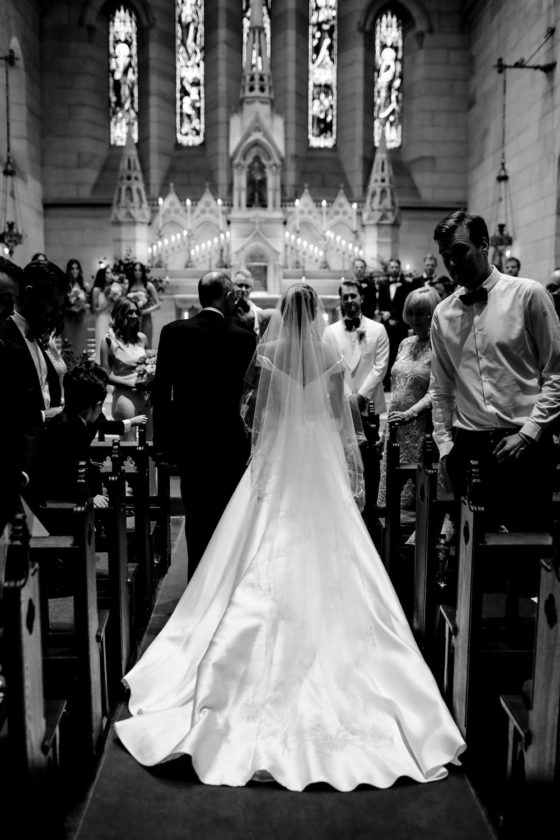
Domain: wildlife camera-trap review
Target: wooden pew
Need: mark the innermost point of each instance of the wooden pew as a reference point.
(480, 554)
(149, 512)
(121, 593)
(431, 552)
(394, 519)
(533, 760)
(77, 658)
(30, 734)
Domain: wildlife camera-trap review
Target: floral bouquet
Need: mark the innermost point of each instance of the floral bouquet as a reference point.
(77, 300)
(140, 298)
(114, 292)
(146, 372)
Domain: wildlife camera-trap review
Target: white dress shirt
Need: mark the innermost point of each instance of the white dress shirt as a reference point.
(37, 356)
(496, 364)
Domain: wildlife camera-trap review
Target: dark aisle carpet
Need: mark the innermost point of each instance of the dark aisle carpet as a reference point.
(130, 802)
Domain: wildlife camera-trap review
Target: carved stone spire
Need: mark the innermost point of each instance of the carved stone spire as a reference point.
(257, 79)
(381, 201)
(130, 203)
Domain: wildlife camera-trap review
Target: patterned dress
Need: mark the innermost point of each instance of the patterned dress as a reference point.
(410, 379)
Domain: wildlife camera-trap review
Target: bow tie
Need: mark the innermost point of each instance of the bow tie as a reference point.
(394, 281)
(352, 323)
(479, 295)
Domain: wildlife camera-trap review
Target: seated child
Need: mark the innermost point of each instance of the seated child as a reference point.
(68, 436)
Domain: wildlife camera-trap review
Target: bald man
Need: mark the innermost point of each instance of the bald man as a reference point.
(199, 378)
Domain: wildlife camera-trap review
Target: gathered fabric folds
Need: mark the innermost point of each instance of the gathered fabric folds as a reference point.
(288, 653)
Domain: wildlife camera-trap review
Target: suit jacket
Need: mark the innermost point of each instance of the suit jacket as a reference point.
(67, 441)
(369, 293)
(367, 366)
(395, 305)
(22, 424)
(200, 371)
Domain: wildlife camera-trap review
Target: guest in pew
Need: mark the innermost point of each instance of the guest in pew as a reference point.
(410, 398)
(15, 420)
(122, 351)
(48, 342)
(410, 380)
(29, 378)
(68, 437)
(495, 378)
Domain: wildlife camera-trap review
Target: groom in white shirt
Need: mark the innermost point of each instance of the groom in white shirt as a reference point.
(364, 347)
(495, 378)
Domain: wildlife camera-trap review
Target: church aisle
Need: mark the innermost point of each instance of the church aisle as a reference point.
(128, 801)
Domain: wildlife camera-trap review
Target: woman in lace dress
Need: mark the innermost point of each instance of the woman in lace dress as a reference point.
(410, 380)
(288, 655)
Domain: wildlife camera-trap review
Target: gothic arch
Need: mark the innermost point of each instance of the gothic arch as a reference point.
(413, 12)
(257, 142)
(92, 9)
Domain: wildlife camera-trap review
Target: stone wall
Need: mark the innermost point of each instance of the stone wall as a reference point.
(452, 116)
(513, 31)
(19, 30)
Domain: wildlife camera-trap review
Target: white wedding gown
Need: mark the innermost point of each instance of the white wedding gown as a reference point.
(289, 654)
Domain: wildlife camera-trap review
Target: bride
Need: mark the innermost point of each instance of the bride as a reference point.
(288, 655)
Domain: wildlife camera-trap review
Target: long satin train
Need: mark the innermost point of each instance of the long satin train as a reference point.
(289, 653)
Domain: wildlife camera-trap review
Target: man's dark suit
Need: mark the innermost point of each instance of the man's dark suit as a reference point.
(369, 296)
(394, 306)
(199, 378)
(22, 425)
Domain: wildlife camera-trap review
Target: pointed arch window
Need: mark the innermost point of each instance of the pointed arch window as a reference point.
(322, 73)
(387, 106)
(123, 76)
(189, 41)
(266, 23)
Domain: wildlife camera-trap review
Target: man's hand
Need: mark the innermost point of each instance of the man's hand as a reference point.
(139, 420)
(100, 501)
(510, 447)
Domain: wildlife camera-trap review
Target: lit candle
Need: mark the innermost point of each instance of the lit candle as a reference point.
(354, 217)
(220, 220)
(324, 206)
(188, 203)
(296, 206)
(160, 202)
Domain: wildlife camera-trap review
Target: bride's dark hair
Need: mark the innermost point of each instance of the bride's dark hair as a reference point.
(303, 298)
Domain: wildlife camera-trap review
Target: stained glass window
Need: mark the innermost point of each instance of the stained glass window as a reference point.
(189, 29)
(387, 108)
(266, 22)
(322, 73)
(123, 76)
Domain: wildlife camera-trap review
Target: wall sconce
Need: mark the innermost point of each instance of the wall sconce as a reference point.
(11, 234)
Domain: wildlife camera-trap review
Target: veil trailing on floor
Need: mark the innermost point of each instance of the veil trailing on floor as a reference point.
(294, 385)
